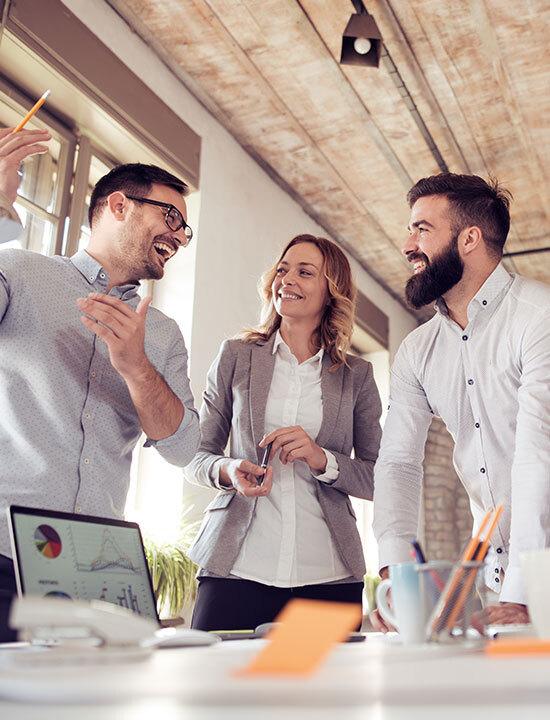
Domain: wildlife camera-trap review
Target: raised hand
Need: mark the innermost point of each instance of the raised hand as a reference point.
(121, 328)
(14, 148)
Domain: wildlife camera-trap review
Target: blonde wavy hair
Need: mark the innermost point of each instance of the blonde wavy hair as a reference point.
(334, 331)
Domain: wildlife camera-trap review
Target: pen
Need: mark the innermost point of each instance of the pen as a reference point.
(265, 460)
(421, 560)
(418, 553)
(35, 108)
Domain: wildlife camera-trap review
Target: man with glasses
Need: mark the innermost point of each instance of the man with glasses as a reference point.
(85, 365)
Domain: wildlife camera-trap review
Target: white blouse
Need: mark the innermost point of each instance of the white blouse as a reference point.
(289, 543)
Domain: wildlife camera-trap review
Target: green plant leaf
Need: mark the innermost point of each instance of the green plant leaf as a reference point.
(173, 573)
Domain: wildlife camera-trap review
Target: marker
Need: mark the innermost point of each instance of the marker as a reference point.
(265, 458)
(35, 108)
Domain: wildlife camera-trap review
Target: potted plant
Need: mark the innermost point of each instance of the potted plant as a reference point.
(172, 572)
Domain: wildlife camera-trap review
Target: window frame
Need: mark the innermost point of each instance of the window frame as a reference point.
(68, 144)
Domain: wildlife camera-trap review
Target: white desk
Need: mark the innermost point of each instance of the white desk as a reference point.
(362, 680)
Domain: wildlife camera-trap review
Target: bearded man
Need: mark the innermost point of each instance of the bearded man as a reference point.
(85, 365)
(481, 364)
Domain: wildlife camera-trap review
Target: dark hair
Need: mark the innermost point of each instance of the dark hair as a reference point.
(133, 179)
(473, 202)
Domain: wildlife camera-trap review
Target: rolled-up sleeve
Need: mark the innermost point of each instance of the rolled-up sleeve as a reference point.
(180, 447)
(398, 472)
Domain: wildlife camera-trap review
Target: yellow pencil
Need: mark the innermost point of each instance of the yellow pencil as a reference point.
(35, 108)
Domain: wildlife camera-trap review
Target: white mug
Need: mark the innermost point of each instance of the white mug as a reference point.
(415, 591)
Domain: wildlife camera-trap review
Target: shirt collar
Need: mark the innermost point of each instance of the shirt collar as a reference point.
(95, 275)
(493, 286)
(280, 343)
(497, 281)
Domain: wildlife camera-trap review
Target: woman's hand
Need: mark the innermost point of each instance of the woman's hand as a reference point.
(245, 477)
(295, 444)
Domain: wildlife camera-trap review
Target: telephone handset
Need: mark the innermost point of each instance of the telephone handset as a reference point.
(57, 619)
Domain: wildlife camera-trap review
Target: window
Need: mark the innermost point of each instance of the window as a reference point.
(43, 192)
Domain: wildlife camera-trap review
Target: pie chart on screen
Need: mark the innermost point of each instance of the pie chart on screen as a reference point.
(47, 541)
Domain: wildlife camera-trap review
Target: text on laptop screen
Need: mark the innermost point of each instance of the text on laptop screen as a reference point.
(85, 560)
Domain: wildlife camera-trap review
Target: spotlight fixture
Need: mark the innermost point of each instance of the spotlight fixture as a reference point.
(361, 41)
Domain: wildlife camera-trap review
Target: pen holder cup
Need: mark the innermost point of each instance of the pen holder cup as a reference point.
(452, 614)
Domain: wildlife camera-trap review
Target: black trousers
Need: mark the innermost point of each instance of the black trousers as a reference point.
(7, 592)
(226, 604)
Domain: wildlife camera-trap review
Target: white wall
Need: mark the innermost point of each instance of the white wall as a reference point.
(242, 220)
(244, 217)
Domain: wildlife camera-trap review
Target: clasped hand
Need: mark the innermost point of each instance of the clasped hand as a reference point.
(295, 444)
(247, 478)
(121, 328)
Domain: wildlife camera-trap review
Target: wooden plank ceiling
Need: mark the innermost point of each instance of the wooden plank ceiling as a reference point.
(341, 139)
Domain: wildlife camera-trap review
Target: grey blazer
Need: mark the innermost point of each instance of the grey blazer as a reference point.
(234, 405)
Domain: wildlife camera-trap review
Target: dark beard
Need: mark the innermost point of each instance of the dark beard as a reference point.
(438, 277)
(134, 255)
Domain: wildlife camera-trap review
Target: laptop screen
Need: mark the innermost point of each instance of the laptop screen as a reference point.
(82, 557)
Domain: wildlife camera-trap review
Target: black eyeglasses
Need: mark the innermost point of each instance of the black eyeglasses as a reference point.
(172, 217)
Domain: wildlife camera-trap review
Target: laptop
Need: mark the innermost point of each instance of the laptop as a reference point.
(82, 557)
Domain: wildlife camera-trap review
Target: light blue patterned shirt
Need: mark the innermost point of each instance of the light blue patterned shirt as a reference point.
(67, 423)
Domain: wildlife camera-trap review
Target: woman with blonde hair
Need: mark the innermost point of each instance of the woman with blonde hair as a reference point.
(286, 530)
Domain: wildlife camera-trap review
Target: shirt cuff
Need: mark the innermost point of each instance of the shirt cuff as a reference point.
(10, 229)
(513, 587)
(9, 210)
(214, 473)
(392, 551)
(180, 447)
(332, 470)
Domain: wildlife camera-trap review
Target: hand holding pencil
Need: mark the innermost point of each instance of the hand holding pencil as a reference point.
(17, 144)
(14, 148)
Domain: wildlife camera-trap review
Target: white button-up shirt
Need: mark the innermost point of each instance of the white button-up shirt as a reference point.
(490, 384)
(289, 543)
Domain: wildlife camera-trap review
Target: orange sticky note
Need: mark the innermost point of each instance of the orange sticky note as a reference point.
(308, 631)
(518, 646)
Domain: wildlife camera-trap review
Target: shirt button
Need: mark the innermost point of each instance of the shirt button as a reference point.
(92, 373)
(477, 425)
(482, 470)
(497, 580)
(470, 381)
(78, 509)
(497, 571)
(499, 550)
(92, 278)
(87, 416)
(102, 276)
(484, 302)
(86, 461)
(464, 337)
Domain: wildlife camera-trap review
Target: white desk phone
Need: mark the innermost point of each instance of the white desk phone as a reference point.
(78, 627)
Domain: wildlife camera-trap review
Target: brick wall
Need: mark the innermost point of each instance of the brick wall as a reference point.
(447, 518)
